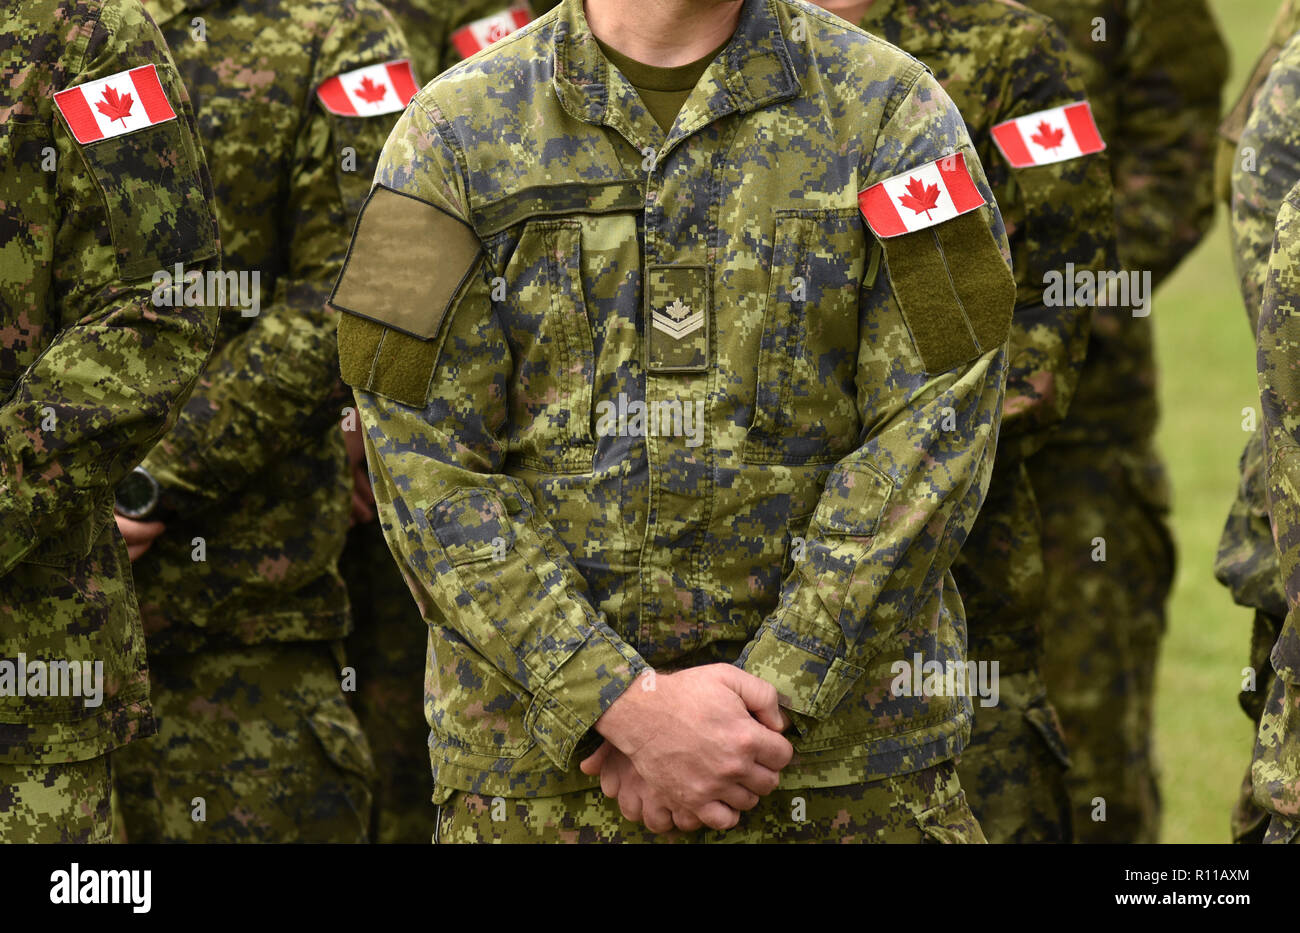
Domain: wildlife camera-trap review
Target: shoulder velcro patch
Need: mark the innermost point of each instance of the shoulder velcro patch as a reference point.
(121, 103)
(369, 91)
(408, 264)
(1055, 135)
(954, 289)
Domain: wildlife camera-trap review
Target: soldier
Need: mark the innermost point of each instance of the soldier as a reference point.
(1258, 161)
(102, 184)
(237, 554)
(1006, 69)
(387, 645)
(1275, 771)
(1153, 70)
(641, 392)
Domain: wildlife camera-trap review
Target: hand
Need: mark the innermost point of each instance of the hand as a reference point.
(363, 497)
(692, 738)
(138, 535)
(637, 800)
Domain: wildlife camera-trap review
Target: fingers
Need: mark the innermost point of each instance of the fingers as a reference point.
(135, 550)
(739, 798)
(686, 820)
(658, 819)
(592, 764)
(630, 805)
(717, 815)
(760, 780)
(759, 698)
(772, 750)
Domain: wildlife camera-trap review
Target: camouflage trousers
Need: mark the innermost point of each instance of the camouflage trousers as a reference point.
(254, 744)
(387, 650)
(65, 802)
(1014, 767)
(1249, 820)
(924, 806)
(1109, 559)
(1275, 771)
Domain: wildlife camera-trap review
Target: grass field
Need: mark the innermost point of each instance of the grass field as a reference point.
(1207, 377)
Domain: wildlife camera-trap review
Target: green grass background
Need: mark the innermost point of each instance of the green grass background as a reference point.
(1207, 376)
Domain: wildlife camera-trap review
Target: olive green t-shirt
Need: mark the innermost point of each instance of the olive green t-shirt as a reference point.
(662, 90)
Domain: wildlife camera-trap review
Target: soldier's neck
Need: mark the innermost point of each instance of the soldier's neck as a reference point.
(663, 33)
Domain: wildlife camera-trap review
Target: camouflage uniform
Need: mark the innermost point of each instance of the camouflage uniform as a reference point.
(387, 645)
(808, 537)
(1000, 62)
(1153, 70)
(255, 473)
(1275, 772)
(1253, 187)
(91, 374)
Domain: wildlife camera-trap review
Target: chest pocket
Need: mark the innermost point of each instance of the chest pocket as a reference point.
(805, 403)
(550, 335)
(27, 231)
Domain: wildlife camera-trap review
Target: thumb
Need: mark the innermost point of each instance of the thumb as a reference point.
(759, 697)
(592, 764)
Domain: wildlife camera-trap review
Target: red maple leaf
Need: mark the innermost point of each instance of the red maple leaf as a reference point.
(115, 106)
(1047, 137)
(920, 196)
(370, 92)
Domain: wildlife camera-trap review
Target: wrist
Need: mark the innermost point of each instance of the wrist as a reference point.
(623, 723)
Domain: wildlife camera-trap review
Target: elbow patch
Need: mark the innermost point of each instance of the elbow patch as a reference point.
(407, 267)
(954, 288)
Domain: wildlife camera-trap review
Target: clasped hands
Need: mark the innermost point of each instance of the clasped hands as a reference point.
(692, 748)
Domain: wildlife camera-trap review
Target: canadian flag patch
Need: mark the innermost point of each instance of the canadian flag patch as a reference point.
(481, 33)
(1055, 135)
(121, 103)
(925, 196)
(370, 91)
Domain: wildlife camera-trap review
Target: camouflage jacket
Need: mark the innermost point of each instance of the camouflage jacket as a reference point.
(1276, 767)
(1000, 62)
(91, 371)
(1153, 70)
(1264, 128)
(441, 32)
(254, 474)
(819, 412)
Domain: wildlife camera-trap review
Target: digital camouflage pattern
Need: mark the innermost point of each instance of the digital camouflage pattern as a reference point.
(1153, 70)
(886, 811)
(999, 61)
(808, 537)
(263, 737)
(91, 373)
(1262, 124)
(60, 803)
(387, 644)
(428, 26)
(1275, 771)
(256, 465)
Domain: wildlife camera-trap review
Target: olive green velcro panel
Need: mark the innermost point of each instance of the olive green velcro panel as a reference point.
(985, 286)
(407, 262)
(385, 361)
(954, 289)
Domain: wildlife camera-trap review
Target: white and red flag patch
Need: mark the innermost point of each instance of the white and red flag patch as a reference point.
(924, 197)
(121, 103)
(481, 33)
(1055, 135)
(370, 91)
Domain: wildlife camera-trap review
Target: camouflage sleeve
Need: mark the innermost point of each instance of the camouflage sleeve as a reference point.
(1065, 213)
(277, 382)
(85, 412)
(1277, 754)
(1163, 153)
(1266, 165)
(481, 559)
(893, 513)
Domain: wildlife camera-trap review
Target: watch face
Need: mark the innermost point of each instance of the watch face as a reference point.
(137, 494)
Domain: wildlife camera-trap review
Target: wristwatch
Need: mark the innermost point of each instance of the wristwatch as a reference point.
(137, 495)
